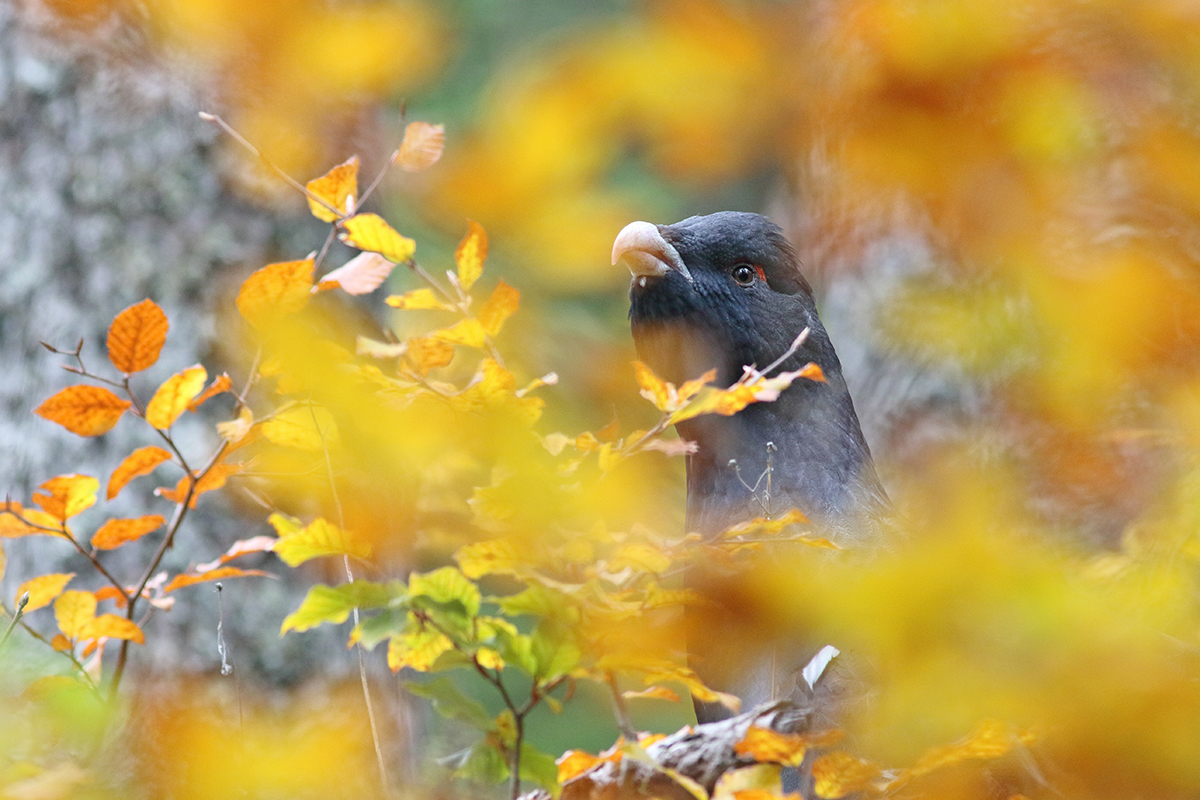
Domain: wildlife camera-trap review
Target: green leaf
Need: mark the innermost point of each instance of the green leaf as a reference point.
(451, 703)
(373, 630)
(446, 585)
(536, 600)
(538, 767)
(333, 604)
(483, 763)
(554, 650)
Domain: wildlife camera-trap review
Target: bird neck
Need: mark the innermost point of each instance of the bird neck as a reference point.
(805, 450)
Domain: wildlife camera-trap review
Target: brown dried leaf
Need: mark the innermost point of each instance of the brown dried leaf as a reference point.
(84, 410)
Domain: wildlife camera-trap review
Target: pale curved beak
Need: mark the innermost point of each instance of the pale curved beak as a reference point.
(643, 250)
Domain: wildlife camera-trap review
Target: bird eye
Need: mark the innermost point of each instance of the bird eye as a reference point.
(745, 274)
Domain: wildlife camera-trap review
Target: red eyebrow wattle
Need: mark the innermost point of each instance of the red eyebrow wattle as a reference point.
(762, 276)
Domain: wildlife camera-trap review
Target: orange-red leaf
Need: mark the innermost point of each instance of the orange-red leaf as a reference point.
(470, 254)
(136, 337)
(140, 462)
(180, 581)
(362, 274)
(116, 532)
(221, 383)
(574, 763)
(275, 291)
(72, 610)
(173, 397)
(84, 410)
(66, 495)
(337, 188)
(111, 593)
(499, 307)
(43, 589)
(421, 148)
(113, 627)
(371, 232)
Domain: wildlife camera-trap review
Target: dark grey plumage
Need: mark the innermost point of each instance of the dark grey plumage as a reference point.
(694, 305)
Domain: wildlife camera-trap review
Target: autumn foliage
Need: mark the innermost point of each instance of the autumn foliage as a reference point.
(996, 651)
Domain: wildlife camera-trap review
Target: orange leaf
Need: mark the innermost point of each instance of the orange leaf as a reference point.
(60, 643)
(111, 593)
(72, 610)
(574, 763)
(654, 693)
(84, 410)
(426, 354)
(43, 589)
(116, 532)
(180, 581)
(173, 397)
(416, 299)
(136, 337)
(838, 774)
(275, 291)
(499, 307)
(470, 254)
(371, 232)
(113, 627)
(763, 744)
(13, 526)
(362, 274)
(337, 188)
(221, 383)
(213, 479)
(654, 388)
(255, 544)
(813, 372)
(67, 495)
(421, 148)
(140, 462)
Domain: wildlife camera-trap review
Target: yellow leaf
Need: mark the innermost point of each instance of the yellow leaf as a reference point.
(113, 627)
(116, 532)
(362, 274)
(174, 396)
(275, 291)
(235, 430)
(640, 556)
(72, 610)
(418, 650)
(421, 148)
(136, 337)
(499, 307)
(43, 589)
(838, 774)
(574, 763)
(470, 254)
(318, 538)
(488, 658)
(497, 557)
(140, 462)
(13, 526)
(468, 332)
(418, 299)
(306, 427)
(371, 232)
(84, 410)
(990, 739)
(67, 495)
(338, 189)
